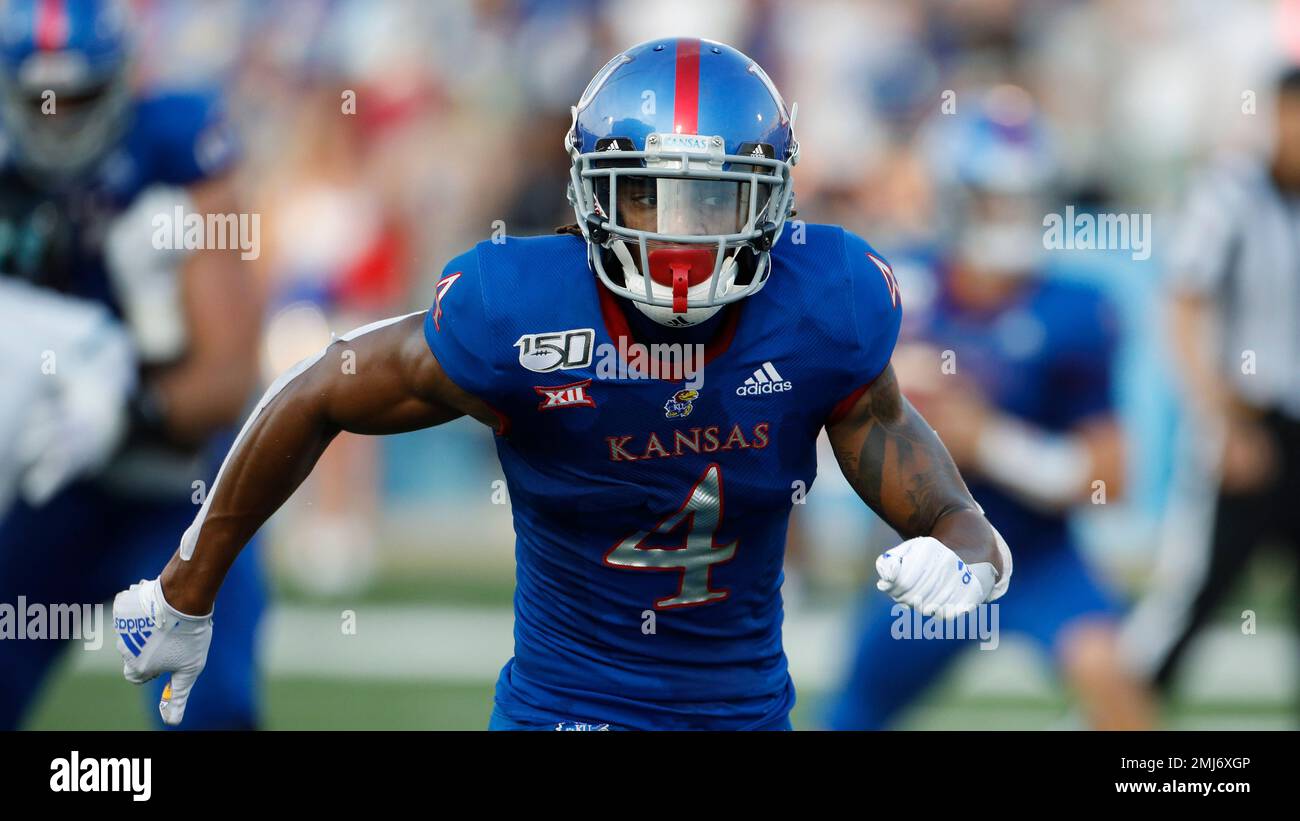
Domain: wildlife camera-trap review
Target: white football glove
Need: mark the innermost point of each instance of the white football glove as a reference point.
(926, 575)
(68, 370)
(155, 639)
(76, 425)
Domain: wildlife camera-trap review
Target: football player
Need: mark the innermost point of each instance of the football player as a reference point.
(1013, 368)
(88, 169)
(650, 514)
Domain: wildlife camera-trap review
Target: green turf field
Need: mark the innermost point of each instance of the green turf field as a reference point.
(319, 679)
(103, 702)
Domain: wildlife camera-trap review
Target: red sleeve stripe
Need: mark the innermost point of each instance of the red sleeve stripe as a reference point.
(845, 405)
(503, 420)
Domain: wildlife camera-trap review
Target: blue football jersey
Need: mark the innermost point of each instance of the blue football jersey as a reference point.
(651, 516)
(54, 235)
(1045, 357)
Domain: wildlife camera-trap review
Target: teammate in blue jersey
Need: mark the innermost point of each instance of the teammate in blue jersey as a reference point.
(657, 376)
(86, 170)
(1013, 368)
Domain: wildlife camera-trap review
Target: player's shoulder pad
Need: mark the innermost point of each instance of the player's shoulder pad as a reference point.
(875, 305)
(459, 328)
(188, 134)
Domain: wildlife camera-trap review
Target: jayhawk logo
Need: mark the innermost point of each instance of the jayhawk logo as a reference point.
(680, 407)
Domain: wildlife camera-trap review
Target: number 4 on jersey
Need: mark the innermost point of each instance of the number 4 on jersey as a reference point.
(695, 560)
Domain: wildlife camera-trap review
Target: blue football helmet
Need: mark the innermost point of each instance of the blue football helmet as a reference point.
(1000, 143)
(64, 81)
(995, 166)
(682, 151)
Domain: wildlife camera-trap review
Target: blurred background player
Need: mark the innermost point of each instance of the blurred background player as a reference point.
(1235, 309)
(1013, 369)
(87, 169)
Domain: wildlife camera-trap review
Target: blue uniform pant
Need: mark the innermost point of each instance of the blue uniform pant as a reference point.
(1049, 590)
(500, 722)
(83, 547)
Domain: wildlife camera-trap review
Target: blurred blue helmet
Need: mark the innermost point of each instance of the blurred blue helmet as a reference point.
(64, 85)
(1000, 144)
(995, 169)
(681, 157)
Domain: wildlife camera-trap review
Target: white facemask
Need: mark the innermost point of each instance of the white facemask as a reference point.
(1007, 248)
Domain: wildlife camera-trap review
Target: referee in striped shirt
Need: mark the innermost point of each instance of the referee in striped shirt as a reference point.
(1236, 339)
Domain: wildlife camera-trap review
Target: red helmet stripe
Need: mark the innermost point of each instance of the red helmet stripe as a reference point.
(51, 25)
(686, 92)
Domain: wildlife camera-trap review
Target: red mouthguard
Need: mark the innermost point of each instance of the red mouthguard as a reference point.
(681, 268)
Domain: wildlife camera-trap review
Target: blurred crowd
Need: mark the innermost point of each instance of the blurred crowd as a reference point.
(383, 138)
(459, 105)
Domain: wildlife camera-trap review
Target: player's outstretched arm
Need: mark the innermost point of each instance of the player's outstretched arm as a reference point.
(377, 380)
(896, 463)
(381, 381)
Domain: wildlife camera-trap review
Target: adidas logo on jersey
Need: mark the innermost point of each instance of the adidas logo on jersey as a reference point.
(764, 380)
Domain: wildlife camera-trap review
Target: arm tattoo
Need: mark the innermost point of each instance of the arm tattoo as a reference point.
(895, 461)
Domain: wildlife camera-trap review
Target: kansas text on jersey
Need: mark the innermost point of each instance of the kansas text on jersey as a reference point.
(651, 517)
